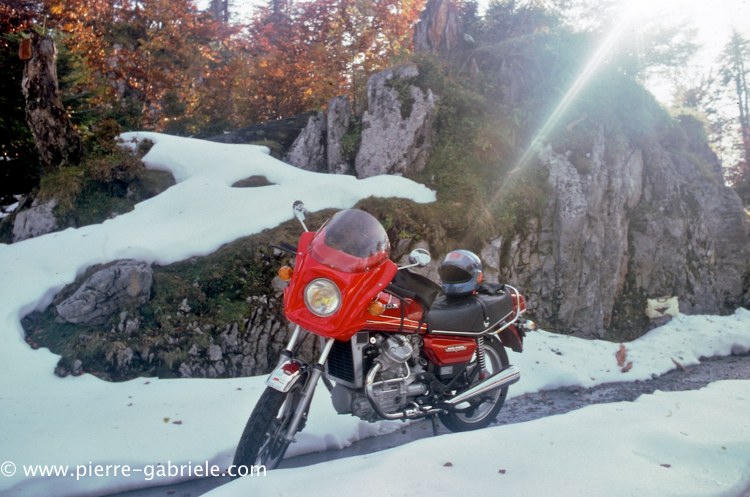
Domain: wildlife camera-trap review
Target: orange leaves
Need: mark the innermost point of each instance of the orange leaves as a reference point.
(57, 9)
(321, 48)
(145, 57)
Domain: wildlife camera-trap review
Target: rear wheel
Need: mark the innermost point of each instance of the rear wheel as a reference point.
(482, 411)
(262, 442)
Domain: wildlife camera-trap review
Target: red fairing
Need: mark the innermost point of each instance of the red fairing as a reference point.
(443, 351)
(358, 266)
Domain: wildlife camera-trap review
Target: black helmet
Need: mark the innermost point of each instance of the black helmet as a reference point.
(461, 272)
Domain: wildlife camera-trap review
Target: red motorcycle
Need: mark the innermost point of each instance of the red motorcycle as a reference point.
(394, 344)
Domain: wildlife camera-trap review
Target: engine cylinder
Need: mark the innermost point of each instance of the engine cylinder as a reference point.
(397, 349)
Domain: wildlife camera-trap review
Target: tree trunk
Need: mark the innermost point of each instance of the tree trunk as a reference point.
(56, 139)
(220, 10)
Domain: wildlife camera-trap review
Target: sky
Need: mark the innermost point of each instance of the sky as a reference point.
(664, 444)
(714, 22)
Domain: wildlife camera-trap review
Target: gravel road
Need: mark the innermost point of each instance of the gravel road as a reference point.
(516, 410)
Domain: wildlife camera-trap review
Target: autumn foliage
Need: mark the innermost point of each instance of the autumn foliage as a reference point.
(167, 66)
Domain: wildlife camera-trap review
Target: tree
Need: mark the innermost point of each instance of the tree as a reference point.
(56, 139)
(308, 52)
(722, 98)
(148, 60)
(19, 165)
(734, 74)
(219, 9)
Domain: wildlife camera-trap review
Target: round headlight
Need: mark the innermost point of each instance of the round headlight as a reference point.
(322, 297)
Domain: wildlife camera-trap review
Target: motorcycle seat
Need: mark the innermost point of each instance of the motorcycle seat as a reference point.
(470, 315)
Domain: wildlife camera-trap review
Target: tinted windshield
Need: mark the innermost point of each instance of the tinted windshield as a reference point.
(351, 241)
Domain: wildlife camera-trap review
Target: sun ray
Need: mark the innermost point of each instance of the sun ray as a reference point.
(596, 60)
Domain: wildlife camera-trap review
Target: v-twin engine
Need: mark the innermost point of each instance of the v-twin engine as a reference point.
(385, 365)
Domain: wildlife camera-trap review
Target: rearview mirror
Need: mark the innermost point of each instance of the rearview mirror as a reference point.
(299, 212)
(419, 257)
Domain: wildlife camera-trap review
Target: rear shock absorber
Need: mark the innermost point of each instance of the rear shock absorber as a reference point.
(480, 359)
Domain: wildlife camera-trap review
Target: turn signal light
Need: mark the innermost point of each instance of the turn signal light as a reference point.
(376, 308)
(285, 273)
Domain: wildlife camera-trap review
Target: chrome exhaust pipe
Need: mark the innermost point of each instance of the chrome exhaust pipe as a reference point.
(507, 376)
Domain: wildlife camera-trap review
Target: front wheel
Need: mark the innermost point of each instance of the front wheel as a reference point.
(262, 442)
(481, 413)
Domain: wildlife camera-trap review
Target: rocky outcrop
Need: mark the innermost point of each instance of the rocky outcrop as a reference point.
(239, 349)
(438, 30)
(338, 119)
(281, 131)
(397, 128)
(689, 235)
(108, 291)
(37, 220)
(309, 149)
(621, 225)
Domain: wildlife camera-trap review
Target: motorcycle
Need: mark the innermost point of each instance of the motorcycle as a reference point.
(394, 344)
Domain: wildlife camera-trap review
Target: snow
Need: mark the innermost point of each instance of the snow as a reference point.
(687, 443)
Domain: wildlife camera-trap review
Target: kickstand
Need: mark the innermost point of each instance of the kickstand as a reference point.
(434, 420)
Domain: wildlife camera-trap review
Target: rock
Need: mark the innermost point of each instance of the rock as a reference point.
(185, 371)
(132, 326)
(214, 353)
(439, 28)
(184, 307)
(106, 292)
(281, 131)
(338, 119)
(309, 149)
(76, 369)
(400, 115)
(121, 356)
(625, 225)
(35, 221)
(61, 370)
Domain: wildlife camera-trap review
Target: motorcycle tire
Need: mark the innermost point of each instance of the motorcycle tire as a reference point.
(262, 442)
(485, 413)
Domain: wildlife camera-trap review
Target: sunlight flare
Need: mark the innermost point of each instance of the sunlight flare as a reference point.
(597, 59)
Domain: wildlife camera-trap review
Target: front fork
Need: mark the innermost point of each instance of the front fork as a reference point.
(289, 371)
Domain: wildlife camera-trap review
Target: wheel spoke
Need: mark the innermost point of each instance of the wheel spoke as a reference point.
(484, 409)
(263, 440)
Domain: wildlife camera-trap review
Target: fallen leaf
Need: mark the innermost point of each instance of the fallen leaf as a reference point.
(627, 367)
(621, 353)
(166, 420)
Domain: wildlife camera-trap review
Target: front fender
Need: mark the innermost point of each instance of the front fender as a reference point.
(286, 374)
